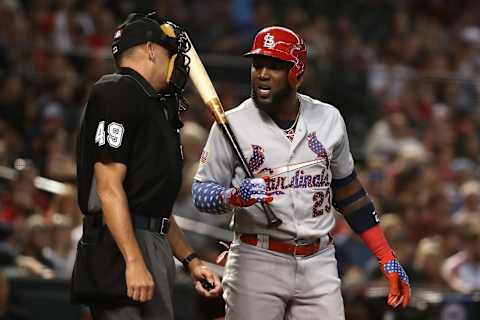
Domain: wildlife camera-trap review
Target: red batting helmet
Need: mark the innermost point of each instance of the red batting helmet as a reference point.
(283, 44)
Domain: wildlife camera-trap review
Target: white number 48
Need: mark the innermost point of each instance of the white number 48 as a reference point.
(114, 134)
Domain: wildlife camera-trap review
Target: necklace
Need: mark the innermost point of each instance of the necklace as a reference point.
(290, 132)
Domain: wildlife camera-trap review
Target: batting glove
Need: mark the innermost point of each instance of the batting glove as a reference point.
(249, 192)
(399, 292)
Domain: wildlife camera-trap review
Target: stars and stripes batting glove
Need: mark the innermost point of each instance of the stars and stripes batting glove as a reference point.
(399, 291)
(214, 198)
(249, 192)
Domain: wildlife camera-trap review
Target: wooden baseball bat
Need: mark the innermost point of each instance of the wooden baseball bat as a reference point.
(209, 95)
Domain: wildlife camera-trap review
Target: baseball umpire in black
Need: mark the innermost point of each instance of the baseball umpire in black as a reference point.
(129, 163)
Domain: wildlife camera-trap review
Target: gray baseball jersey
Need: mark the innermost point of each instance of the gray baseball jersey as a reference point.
(300, 170)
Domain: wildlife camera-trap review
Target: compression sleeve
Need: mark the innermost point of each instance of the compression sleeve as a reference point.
(377, 244)
(209, 197)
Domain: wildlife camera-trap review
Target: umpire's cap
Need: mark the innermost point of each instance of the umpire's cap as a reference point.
(140, 28)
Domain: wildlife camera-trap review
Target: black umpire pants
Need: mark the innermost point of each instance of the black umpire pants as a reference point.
(159, 260)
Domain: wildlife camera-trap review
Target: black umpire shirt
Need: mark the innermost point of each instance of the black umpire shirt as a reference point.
(126, 122)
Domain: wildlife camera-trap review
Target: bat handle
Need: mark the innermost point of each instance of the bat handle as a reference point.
(273, 220)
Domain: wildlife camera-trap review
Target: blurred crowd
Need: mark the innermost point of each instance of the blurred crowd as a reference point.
(405, 75)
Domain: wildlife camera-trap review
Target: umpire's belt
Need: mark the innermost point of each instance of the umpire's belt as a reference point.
(155, 224)
(301, 248)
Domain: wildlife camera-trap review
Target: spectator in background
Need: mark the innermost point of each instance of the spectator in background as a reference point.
(12, 101)
(439, 134)
(193, 137)
(11, 258)
(60, 161)
(63, 27)
(470, 212)
(64, 220)
(388, 74)
(66, 205)
(38, 240)
(463, 169)
(100, 39)
(389, 134)
(462, 270)
(24, 199)
(60, 251)
(403, 177)
(429, 258)
(432, 215)
(11, 143)
(452, 239)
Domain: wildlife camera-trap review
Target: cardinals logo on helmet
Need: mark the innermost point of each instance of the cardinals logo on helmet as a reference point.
(269, 41)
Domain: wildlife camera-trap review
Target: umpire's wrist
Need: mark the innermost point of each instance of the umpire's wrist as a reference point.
(190, 261)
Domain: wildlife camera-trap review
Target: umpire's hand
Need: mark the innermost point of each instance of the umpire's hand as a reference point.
(206, 281)
(139, 281)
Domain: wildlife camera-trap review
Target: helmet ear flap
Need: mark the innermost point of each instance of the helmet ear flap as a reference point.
(294, 75)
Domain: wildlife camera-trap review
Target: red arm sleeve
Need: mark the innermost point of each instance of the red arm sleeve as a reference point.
(378, 245)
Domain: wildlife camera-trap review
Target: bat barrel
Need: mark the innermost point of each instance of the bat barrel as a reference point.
(215, 106)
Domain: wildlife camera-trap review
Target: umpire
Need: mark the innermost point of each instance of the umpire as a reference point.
(129, 163)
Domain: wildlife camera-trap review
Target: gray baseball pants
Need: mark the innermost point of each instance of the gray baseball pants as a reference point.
(263, 284)
(159, 260)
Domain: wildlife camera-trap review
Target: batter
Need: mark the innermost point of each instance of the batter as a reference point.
(299, 151)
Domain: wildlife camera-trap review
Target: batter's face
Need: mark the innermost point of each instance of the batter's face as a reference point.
(269, 81)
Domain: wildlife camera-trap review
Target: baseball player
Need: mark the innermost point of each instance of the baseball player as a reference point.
(299, 151)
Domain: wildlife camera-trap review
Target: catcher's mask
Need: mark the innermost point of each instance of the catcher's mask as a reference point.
(140, 28)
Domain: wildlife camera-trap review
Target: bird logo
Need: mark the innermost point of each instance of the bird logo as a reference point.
(317, 148)
(257, 159)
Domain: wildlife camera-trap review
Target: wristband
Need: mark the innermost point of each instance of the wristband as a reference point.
(186, 261)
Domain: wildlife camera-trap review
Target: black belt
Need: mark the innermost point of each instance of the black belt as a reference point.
(155, 224)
